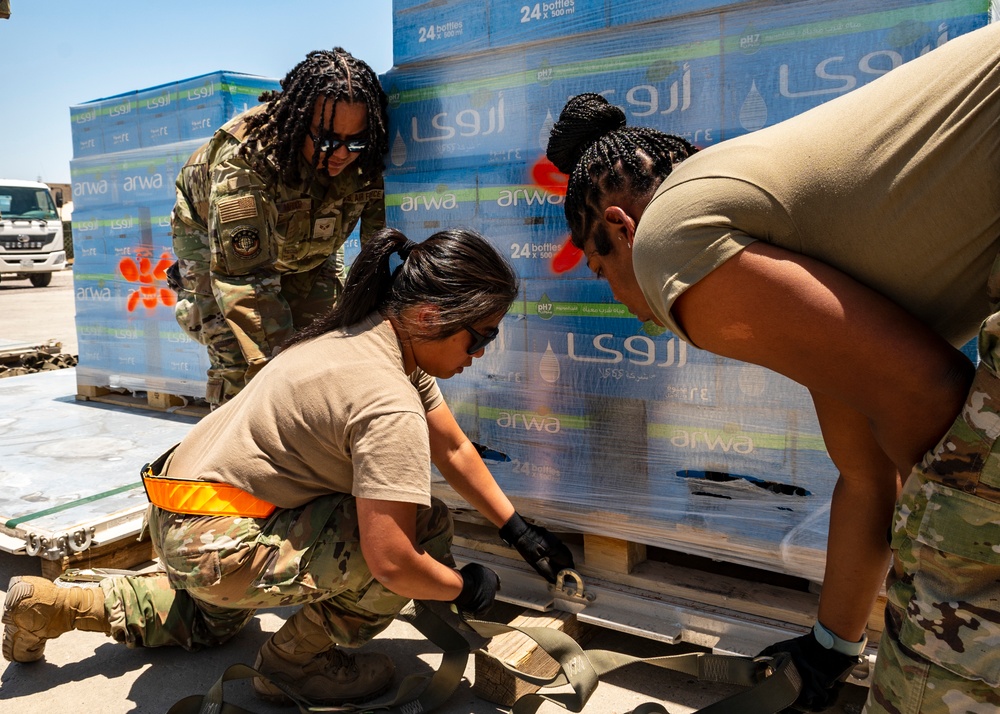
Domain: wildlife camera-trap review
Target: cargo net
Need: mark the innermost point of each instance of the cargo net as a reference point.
(34, 358)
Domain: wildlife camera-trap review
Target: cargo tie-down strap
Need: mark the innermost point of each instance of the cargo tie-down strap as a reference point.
(772, 683)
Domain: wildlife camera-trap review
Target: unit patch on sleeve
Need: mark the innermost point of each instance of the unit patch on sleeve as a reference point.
(237, 208)
(246, 242)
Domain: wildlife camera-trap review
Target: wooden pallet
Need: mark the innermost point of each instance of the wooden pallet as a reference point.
(123, 554)
(717, 588)
(151, 399)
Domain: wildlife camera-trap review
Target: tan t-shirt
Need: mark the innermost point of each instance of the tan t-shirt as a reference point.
(334, 414)
(896, 184)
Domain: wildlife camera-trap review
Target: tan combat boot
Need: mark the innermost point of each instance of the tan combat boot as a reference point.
(303, 659)
(37, 609)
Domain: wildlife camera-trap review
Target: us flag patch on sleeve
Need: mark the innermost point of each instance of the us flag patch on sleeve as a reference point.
(237, 209)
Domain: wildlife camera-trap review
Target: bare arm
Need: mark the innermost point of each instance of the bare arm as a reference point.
(463, 468)
(885, 388)
(828, 332)
(857, 556)
(388, 543)
(388, 537)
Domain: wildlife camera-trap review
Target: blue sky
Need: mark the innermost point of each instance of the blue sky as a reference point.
(57, 53)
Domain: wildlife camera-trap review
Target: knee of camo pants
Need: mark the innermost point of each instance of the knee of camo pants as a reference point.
(227, 372)
(146, 611)
(945, 583)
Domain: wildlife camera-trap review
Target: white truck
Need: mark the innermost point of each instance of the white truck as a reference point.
(31, 232)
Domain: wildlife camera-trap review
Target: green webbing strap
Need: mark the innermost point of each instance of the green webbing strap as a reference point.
(416, 693)
(773, 682)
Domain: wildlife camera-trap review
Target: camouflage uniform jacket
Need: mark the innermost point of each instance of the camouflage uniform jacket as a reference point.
(238, 232)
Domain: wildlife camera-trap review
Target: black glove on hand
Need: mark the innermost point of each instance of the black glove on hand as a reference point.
(822, 671)
(539, 548)
(479, 590)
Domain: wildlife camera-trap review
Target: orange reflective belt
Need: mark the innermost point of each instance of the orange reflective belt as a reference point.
(203, 498)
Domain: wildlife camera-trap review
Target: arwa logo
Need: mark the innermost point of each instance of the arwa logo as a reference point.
(541, 421)
(93, 294)
(120, 110)
(837, 74)
(712, 440)
(656, 98)
(85, 117)
(87, 226)
(465, 123)
(138, 182)
(528, 196)
(98, 187)
(145, 273)
(196, 94)
(429, 202)
(637, 349)
(160, 101)
(123, 223)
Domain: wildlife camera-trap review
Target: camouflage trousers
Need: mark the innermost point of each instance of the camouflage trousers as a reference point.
(220, 570)
(940, 651)
(235, 358)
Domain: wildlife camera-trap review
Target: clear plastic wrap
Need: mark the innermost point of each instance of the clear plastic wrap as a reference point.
(614, 427)
(129, 149)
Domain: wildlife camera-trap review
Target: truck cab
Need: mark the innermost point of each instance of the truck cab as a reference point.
(31, 232)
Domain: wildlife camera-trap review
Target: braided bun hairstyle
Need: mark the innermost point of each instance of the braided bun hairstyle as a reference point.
(583, 121)
(592, 144)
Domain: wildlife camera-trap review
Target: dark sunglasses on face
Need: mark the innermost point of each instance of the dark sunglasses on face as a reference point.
(326, 144)
(480, 339)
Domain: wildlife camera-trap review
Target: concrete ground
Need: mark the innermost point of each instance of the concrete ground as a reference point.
(30, 314)
(89, 672)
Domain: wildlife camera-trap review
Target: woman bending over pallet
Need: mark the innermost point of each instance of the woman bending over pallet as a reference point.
(852, 249)
(312, 487)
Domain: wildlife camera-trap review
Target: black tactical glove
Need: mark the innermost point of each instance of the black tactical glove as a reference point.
(539, 548)
(822, 671)
(479, 590)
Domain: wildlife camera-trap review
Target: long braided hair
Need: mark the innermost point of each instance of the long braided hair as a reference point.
(457, 271)
(602, 156)
(333, 75)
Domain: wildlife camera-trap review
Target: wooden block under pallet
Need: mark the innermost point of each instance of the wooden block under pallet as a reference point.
(735, 588)
(496, 684)
(151, 400)
(120, 555)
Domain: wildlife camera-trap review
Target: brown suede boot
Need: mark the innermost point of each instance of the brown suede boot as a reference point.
(37, 610)
(303, 658)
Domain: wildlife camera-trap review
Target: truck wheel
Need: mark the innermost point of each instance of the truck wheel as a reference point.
(40, 280)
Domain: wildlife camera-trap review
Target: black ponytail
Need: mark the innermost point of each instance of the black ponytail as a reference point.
(456, 271)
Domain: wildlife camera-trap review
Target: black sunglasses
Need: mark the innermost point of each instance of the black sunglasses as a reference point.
(327, 145)
(480, 340)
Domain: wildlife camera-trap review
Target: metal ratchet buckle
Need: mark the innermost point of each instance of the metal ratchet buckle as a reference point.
(570, 597)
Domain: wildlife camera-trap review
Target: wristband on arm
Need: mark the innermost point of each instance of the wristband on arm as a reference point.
(831, 642)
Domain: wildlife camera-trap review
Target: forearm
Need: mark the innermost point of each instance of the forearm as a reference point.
(465, 471)
(418, 576)
(837, 337)
(389, 545)
(463, 468)
(858, 553)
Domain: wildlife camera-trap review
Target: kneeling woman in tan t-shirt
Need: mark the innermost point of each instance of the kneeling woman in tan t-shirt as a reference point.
(312, 487)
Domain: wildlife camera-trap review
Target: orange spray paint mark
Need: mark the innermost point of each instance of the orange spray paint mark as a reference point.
(145, 273)
(546, 176)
